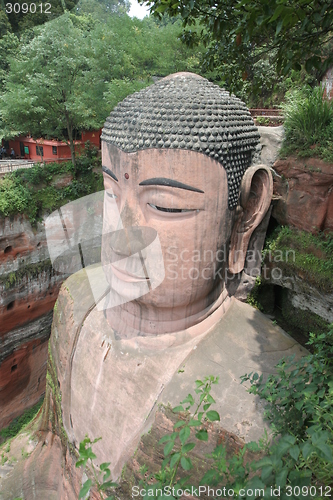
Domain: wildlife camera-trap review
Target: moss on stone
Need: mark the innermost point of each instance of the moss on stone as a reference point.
(30, 271)
(54, 415)
(302, 254)
(303, 320)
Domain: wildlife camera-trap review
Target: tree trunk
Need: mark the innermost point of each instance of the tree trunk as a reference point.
(70, 138)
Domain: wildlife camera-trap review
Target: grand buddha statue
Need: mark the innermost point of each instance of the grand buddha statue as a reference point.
(181, 204)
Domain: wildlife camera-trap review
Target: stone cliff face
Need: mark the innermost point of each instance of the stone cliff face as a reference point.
(305, 194)
(28, 291)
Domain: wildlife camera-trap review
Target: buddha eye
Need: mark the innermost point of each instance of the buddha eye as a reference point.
(171, 210)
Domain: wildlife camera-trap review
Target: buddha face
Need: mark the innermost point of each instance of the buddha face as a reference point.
(177, 202)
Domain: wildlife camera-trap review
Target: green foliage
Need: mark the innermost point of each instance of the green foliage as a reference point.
(308, 123)
(18, 423)
(50, 89)
(101, 475)
(178, 444)
(14, 197)
(303, 253)
(33, 191)
(69, 73)
(300, 406)
(26, 16)
(296, 31)
(253, 297)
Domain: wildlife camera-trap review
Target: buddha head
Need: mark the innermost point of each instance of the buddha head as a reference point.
(178, 181)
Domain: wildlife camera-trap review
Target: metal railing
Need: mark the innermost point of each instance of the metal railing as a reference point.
(8, 165)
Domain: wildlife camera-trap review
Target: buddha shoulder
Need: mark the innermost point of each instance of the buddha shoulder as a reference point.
(74, 303)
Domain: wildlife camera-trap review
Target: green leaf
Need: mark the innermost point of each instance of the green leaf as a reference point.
(175, 457)
(106, 474)
(108, 484)
(294, 452)
(325, 452)
(178, 424)
(202, 435)
(188, 447)
(85, 488)
(96, 440)
(81, 462)
(307, 449)
(178, 409)
(212, 415)
(168, 448)
(277, 12)
(165, 439)
(210, 476)
(189, 399)
(281, 478)
(184, 434)
(104, 466)
(186, 463)
(279, 27)
(266, 472)
(194, 423)
(284, 445)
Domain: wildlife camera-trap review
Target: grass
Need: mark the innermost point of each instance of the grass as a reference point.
(308, 124)
(18, 423)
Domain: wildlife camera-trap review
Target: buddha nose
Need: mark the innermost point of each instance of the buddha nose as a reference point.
(131, 240)
(134, 236)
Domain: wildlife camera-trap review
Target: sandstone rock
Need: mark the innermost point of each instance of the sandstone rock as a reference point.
(23, 367)
(304, 189)
(271, 140)
(28, 291)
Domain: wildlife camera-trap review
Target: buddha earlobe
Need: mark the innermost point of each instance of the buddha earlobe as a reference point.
(255, 198)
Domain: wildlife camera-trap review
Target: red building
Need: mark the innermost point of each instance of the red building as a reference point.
(48, 150)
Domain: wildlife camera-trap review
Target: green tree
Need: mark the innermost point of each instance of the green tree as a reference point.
(23, 14)
(50, 89)
(240, 32)
(98, 8)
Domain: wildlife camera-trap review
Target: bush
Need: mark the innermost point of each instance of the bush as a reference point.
(308, 123)
(300, 404)
(30, 191)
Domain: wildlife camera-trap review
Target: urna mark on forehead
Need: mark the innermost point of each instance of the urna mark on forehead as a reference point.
(185, 111)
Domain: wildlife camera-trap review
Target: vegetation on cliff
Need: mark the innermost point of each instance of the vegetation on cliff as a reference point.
(312, 255)
(308, 124)
(39, 190)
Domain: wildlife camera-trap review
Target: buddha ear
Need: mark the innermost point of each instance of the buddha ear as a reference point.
(255, 197)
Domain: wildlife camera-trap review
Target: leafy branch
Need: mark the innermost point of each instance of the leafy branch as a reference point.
(101, 475)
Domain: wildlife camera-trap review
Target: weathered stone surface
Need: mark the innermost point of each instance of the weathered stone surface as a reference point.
(28, 291)
(271, 140)
(303, 295)
(305, 194)
(23, 368)
(48, 473)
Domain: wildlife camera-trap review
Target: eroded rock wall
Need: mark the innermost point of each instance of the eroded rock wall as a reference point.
(28, 291)
(304, 191)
